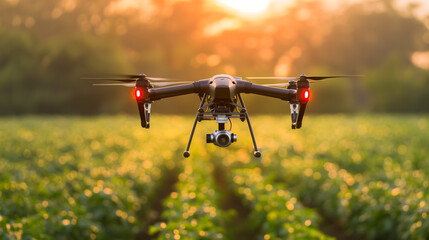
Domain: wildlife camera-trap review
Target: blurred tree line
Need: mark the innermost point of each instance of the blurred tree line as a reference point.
(45, 46)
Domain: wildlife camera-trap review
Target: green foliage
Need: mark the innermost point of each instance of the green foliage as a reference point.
(275, 208)
(63, 180)
(369, 174)
(396, 86)
(100, 178)
(193, 211)
(44, 76)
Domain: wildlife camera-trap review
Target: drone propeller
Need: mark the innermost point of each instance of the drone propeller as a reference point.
(271, 78)
(315, 78)
(114, 84)
(144, 77)
(128, 78)
(156, 84)
(318, 78)
(163, 84)
(277, 85)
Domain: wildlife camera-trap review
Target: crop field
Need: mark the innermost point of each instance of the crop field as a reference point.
(344, 177)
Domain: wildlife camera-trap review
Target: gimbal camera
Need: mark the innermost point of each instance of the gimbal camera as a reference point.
(221, 138)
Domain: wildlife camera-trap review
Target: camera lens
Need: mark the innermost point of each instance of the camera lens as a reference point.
(223, 140)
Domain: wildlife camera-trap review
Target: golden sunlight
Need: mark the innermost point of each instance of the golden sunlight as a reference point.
(246, 6)
(421, 59)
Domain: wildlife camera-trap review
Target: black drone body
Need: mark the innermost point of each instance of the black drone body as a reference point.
(220, 99)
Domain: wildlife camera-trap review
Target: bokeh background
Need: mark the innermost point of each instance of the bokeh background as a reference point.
(47, 45)
(78, 175)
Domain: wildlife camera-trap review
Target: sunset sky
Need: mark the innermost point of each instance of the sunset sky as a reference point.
(259, 7)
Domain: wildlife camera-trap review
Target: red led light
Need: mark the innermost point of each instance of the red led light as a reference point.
(306, 95)
(139, 94)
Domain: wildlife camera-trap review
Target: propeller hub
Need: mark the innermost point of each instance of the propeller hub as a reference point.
(292, 84)
(142, 76)
(303, 81)
(142, 82)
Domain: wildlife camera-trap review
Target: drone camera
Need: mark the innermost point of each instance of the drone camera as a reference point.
(221, 138)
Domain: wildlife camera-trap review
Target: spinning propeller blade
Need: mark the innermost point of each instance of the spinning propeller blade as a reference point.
(127, 80)
(114, 84)
(156, 84)
(277, 85)
(272, 78)
(143, 76)
(315, 78)
(163, 84)
(127, 75)
(162, 79)
(318, 78)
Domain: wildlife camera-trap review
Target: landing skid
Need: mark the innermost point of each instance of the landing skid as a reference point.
(204, 114)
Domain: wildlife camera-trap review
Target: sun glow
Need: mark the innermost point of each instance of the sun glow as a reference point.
(246, 6)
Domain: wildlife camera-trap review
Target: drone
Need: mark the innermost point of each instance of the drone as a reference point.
(220, 97)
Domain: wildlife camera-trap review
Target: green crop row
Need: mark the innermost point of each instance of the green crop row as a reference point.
(75, 181)
(86, 178)
(376, 185)
(395, 207)
(372, 178)
(192, 212)
(275, 208)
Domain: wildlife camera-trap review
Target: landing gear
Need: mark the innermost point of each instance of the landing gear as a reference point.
(256, 153)
(186, 154)
(221, 137)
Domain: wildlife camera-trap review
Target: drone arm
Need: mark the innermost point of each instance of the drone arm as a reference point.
(166, 92)
(284, 94)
